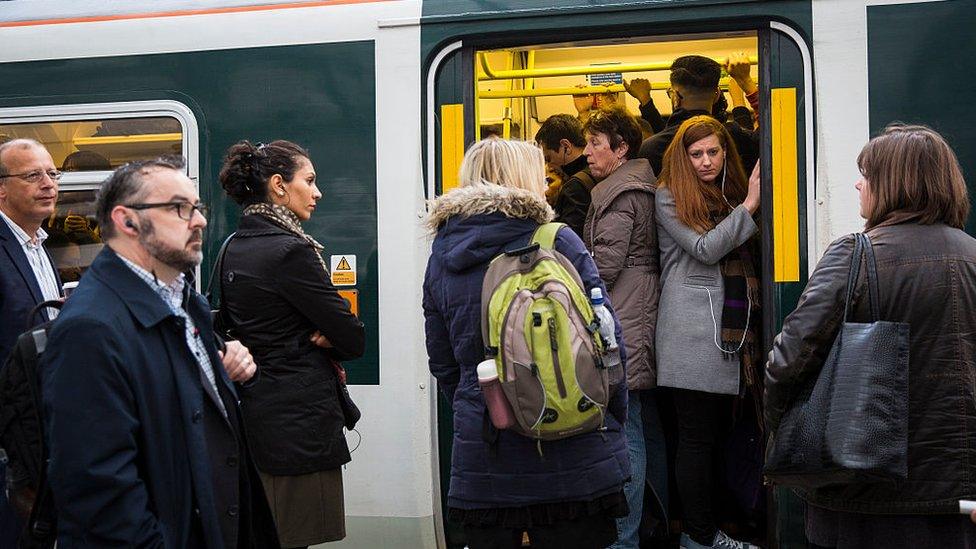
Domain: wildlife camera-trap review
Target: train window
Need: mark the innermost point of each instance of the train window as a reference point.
(101, 144)
(519, 88)
(73, 234)
(86, 143)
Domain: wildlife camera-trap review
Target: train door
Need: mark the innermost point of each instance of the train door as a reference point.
(482, 87)
(790, 249)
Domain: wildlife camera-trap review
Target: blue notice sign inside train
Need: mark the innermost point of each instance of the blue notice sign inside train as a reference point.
(606, 78)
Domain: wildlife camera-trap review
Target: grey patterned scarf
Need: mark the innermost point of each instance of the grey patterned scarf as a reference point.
(287, 220)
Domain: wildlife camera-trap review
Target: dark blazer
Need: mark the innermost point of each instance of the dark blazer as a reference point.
(277, 294)
(140, 455)
(926, 277)
(19, 291)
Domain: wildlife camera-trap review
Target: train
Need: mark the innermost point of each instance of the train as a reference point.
(386, 95)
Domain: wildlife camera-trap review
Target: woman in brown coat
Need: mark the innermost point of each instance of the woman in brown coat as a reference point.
(621, 235)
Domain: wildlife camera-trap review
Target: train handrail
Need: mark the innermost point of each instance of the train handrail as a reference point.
(572, 90)
(491, 74)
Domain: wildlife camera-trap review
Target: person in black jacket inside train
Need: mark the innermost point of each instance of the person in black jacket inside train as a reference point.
(562, 142)
(282, 305)
(694, 90)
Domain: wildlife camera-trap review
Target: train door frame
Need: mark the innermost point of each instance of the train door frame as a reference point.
(772, 291)
(119, 110)
(433, 179)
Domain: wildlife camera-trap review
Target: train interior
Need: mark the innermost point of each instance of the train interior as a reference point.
(516, 93)
(517, 89)
(86, 151)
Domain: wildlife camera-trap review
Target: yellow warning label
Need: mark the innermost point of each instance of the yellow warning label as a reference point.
(343, 268)
(343, 278)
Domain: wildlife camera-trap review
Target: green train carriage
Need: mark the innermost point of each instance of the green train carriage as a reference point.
(386, 94)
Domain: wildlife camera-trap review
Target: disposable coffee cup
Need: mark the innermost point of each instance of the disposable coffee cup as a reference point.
(69, 287)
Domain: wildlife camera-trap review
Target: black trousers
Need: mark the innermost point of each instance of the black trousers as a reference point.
(593, 532)
(700, 417)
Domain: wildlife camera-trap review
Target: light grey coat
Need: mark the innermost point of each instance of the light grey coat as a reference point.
(692, 295)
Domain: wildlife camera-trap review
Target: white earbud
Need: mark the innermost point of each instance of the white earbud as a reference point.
(729, 204)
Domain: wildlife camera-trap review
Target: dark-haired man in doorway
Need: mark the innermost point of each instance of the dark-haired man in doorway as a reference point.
(694, 91)
(561, 139)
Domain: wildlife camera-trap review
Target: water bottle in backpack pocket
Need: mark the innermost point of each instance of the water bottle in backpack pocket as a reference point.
(611, 350)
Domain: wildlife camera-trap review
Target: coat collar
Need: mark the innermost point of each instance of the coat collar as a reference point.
(142, 301)
(486, 199)
(634, 175)
(680, 115)
(258, 225)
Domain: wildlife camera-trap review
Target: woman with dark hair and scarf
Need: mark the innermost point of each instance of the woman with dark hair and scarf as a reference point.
(279, 299)
(709, 310)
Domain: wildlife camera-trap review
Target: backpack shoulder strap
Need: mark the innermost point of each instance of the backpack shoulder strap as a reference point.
(51, 303)
(545, 235)
(586, 179)
(217, 268)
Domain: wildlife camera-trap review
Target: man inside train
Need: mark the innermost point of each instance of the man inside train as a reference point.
(694, 91)
(561, 139)
(28, 192)
(146, 443)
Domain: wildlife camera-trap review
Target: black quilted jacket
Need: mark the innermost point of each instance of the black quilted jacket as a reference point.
(927, 277)
(277, 295)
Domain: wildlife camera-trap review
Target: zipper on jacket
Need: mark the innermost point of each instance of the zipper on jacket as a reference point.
(554, 345)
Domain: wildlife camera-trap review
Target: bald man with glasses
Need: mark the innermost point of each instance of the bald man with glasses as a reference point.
(28, 194)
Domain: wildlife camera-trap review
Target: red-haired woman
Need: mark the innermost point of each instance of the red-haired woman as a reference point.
(706, 347)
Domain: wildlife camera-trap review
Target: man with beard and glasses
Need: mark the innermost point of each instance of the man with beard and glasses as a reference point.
(146, 444)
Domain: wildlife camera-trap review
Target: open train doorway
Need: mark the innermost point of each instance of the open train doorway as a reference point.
(509, 91)
(519, 88)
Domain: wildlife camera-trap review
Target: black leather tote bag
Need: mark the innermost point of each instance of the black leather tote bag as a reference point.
(850, 423)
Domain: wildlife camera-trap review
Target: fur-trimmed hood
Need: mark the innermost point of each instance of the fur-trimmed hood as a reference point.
(486, 199)
(475, 224)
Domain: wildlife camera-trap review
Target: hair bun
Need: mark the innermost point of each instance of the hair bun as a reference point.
(247, 168)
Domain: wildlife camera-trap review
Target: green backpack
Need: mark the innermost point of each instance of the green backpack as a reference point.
(539, 327)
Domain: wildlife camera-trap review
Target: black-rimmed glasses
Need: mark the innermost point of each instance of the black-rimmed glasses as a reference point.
(35, 177)
(182, 208)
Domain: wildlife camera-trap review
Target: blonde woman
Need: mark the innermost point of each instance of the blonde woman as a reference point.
(501, 487)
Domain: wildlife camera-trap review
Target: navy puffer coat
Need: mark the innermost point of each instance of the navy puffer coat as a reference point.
(474, 224)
